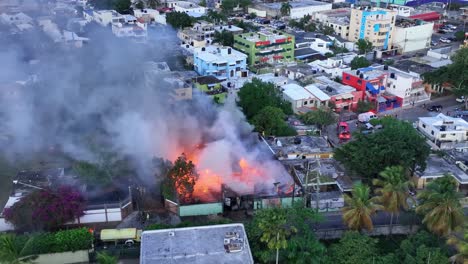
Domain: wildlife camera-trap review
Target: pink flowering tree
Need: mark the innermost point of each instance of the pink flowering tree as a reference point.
(46, 209)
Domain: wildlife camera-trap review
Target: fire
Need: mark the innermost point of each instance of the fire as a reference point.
(208, 187)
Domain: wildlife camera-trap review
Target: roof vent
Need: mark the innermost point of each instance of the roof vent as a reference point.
(171, 234)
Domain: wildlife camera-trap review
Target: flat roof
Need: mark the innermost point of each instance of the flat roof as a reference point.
(437, 167)
(331, 87)
(202, 244)
(299, 4)
(317, 92)
(295, 92)
(285, 146)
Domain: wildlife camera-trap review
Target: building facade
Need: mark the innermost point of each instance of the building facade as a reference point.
(442, 128)
(342, 97)
(265, 46)
(221, 62)
(374, 24)
(298, 10)
(304, 99)
(412, 35)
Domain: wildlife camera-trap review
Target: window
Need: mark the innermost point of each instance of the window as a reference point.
(305, 102)
(311, 101)
(443, 135)
(347, 77)
(432, 132)
(359, 82)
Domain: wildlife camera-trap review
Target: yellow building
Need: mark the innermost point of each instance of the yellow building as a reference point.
(374, 24)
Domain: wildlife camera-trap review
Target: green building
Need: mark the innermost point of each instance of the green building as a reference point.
(265, 46)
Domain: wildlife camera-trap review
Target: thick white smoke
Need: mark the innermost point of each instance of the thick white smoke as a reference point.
(102, 91)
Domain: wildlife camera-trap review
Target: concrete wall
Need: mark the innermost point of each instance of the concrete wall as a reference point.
(80, 256)
(377, 231)
(413, 38)
(200, 209)
(300, 12)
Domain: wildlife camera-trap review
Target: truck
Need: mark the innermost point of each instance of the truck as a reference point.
(127, 236)
(366, 117)
(343, 131)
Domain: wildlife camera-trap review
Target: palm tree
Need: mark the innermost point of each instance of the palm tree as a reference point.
(105, 258)
(11, 250)
(440, 205)
(393, 191)
(460, 241)
(359, 208)
(285, 9)
(275, 231)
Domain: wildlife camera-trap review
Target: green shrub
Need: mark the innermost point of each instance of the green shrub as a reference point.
(61, 241)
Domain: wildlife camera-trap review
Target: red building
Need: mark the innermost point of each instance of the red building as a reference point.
(371, 83)
(343, 97)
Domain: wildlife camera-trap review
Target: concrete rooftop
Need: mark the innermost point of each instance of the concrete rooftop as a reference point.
(203, 245)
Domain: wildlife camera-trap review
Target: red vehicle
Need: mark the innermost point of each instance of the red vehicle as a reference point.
(343, 131)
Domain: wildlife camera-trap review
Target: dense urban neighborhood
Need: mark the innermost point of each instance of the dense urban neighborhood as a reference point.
(234, 131)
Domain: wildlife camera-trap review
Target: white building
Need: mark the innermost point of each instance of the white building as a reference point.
(333, 66)
(298, 9)
(189, 8)
(105, 17)
(338, 19)
(129, 26)
(442, 129)
(304, 99)
(412, 35)
(146, 14)
(15, 18)
(317, 42)
(404, 11)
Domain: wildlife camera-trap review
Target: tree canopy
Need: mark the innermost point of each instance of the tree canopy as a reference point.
(359, 62)
(180, 180)
(256, 95)
(359, 208)
(455, 74)
(321, 118)
(353, 248)
(285, 9)
(397, 144)
(179, 20)
(225, 38)
(440, 206)
(46, 209)
(297, 242)
(121, 6)
(270, 121)
(364, 106)
(364, 46)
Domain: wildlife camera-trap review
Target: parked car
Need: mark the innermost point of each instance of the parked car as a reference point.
(435, 108)
(445, 40)
(452, 27)
(441, 31)
(460, 99)
(452, 39)
(433, 43)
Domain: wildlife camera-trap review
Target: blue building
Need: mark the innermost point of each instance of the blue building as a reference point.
(221, 62)
(374, 24)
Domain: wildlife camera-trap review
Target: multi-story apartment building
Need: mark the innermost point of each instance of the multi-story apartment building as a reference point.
(338, 19)
(129, 26)
(221, 62)
(388, 87)
(374, 24)
(199, 35)
(265, 46)
(412, 35)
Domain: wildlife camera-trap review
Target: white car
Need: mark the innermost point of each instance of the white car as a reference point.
(460, 99)
(445, 40)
